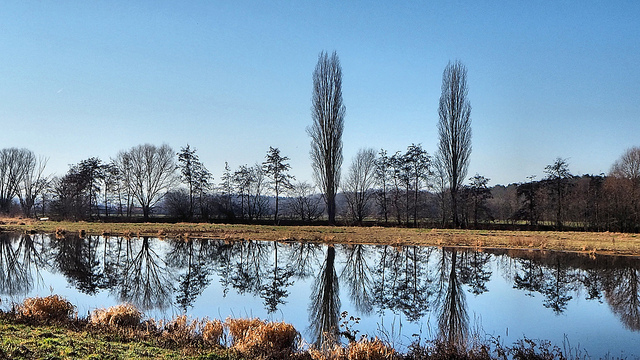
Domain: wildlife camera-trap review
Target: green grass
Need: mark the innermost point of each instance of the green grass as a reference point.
(20, 341)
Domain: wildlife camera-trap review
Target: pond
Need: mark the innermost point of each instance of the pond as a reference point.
(591, 304)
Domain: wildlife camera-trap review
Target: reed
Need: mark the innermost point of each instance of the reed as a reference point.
(50, 308)
(254, 337)
(123, 315)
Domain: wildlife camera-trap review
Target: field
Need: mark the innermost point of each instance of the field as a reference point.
(585, 242)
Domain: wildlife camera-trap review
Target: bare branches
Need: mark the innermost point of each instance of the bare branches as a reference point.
(327, 113)
(358, 188)
(454, 128)
(149, 171)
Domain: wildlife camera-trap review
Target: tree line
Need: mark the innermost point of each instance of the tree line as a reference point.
(406, 188)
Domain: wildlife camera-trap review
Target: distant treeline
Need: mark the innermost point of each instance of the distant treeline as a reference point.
(404, 189)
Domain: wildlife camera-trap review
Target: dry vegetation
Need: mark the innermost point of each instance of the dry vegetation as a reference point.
(585, 242)
(123, 315)
(121, 332)
(46, 309)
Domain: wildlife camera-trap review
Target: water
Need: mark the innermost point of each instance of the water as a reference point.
(398, 293)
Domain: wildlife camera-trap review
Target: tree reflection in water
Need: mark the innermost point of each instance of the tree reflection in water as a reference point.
(325, 303)
(20, 263)
(474, 271)
(558, 283)
(303, 259)
(402, 281)
(453, 320)
(189, 258)
(78, 259)
(623, 295)
(146, 281)
(273, 290)
(410, 281)
(357, 276)
(246, 274)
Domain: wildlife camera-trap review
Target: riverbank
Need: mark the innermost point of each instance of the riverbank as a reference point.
(584, 242)
(48, 328)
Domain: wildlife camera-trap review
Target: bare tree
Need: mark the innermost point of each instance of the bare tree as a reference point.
(14, 164)
(358, 188)
(226, 191)
(418, 164)
(627, 170)
(304, 204)
(454, 129)
(125, 183)
(250, 182)
(33, 183)
(440, 185)
(276, 168)
(151, 172)
(327, 112)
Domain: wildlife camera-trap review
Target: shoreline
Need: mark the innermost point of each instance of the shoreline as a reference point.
(591, 243)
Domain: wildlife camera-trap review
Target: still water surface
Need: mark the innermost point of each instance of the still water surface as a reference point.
(590, 304)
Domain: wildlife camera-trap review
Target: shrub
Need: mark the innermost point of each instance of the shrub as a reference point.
(123, 315)
(50, 308)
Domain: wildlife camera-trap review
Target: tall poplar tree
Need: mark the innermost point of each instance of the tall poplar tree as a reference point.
(454, 129)
(327, 113)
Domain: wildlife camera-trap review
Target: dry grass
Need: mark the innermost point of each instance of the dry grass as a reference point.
(181, 330)
(238, 328)
(364, 349)
(254, 337)
(599, 243)
(212, 332)
(123, 315)
(50, 308)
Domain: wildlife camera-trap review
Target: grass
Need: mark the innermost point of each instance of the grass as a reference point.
(29, 341)
(584, 242)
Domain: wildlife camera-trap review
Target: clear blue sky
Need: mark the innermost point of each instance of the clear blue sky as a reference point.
(231, 78)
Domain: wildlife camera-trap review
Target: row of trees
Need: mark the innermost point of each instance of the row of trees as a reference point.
(406, 188)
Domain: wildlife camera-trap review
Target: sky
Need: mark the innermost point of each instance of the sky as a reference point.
(546, 79)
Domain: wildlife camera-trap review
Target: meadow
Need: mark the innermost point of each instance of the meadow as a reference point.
(609, 243)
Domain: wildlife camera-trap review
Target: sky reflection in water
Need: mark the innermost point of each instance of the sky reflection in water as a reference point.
(450, 294)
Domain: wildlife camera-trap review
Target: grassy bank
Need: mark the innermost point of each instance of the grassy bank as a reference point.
(586, 242)
(47, 328)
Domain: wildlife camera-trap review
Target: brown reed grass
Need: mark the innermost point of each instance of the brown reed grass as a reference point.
(212, 332)
(50, 308)
(123, 315)
(366, 349)
(254, 337)
(181, 330)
